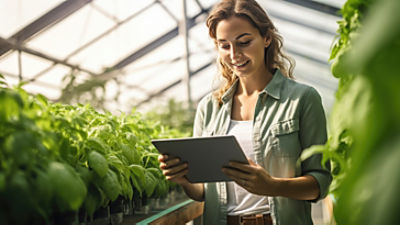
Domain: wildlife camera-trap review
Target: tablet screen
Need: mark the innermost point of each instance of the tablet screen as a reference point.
(205, 155)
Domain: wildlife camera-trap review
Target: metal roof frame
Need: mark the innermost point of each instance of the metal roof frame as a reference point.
(94, 40)
(159, 92)
(319, 6)
(157, 42)
(49, 19)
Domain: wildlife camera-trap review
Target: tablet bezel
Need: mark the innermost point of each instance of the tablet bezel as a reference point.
(205, 155)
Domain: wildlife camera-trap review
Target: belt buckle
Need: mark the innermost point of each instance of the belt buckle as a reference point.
(254, 217)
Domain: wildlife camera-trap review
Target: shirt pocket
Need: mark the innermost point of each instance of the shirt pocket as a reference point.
(283, 149)
(285, 138)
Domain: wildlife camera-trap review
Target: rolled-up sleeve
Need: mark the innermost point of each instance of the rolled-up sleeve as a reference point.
(313, 132)
(199, 120)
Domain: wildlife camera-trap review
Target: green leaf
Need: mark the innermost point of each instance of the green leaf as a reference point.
(98, 163)
(97, 144)
(43, 192)
(131, 154)
(85, 174)
(70, 190)
(14, 103)
(316, 149)
(151, 182)
(111, 185)
(138, 178)
(2, 180)
(93, 200)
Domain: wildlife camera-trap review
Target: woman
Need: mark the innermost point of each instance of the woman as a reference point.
(274, 119)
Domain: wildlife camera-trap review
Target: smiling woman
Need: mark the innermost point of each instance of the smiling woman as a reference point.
(241, 47)
(274, 119)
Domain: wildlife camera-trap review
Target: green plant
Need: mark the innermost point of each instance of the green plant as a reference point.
(59, 158)
(365, 122)
(176, 115)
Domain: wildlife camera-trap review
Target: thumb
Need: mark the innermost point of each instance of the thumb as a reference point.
(251, 162)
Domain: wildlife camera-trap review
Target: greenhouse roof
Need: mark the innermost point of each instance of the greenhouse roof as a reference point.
(132, 53)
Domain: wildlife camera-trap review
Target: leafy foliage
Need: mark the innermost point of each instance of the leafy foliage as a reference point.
(365, 122)
(176, 115)
(57, 158)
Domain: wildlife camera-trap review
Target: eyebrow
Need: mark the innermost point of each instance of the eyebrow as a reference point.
(238, 37)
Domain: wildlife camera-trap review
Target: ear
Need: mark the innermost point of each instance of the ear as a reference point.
(267, 41)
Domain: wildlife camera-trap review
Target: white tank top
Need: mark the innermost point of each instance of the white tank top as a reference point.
(240, 201)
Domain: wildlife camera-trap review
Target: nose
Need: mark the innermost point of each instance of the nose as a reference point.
(234, 53)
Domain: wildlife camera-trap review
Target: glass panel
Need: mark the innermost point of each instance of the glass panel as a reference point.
(201, 47)
(204, 82)
(11, 79)
(175, 6)
(336, 3)
(9, 63)
(32, 65)
(122, 8)
(20, 13)
(72, 32)
(208, 3)
(55, 76)
(305, 40)
(49, 90)
(301, 15)
(125, 40)
(155, 65)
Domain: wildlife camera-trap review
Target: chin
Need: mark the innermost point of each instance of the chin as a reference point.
(242, 75)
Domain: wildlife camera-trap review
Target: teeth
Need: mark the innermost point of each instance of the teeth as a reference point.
(241, 64)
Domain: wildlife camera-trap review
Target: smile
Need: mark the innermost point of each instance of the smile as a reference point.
(241, 64)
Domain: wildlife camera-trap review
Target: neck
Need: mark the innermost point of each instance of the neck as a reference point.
(254, 84)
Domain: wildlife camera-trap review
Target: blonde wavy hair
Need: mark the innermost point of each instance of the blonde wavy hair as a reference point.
(254, 13)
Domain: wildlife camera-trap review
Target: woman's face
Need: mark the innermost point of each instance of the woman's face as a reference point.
(241, 47)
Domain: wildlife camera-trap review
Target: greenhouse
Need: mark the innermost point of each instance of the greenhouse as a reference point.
(87, 86)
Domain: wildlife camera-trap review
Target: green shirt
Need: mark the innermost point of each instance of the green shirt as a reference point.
(288, 118)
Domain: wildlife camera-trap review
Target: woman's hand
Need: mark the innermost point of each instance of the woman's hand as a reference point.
(252, 177)
(173, 169)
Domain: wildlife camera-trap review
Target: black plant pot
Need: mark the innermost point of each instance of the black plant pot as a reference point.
(116, 211)
(117, 205)
(137, 202)
(129, 207)
(101, 217)
(82, 216)
(66, 218)
(144, 200)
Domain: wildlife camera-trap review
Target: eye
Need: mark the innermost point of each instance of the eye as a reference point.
(224, 46)
(245, 43)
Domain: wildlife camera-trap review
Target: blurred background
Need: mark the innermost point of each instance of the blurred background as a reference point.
(122, 54)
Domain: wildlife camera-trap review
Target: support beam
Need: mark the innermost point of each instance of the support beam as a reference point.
(15, 46)
(319, 6)
(52, 17)
(300, 23)
(94, 40)
(40, 83)
(185, 33)
(174, 84)
(156, 43)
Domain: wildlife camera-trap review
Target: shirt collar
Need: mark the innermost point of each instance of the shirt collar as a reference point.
(273, 87)
(230, 92)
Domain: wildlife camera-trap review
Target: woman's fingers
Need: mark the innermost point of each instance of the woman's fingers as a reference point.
(162, 158)
(172, 170)
(235, 173)
(170, 163)
(248, 168)
(177, 175)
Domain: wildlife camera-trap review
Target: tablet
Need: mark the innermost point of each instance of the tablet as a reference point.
(205, 155)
